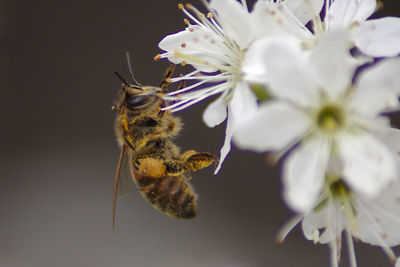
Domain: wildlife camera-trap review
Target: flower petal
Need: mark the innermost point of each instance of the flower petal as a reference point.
(379, 37)
(215, 113)
(226, 148)
(234, 20)
(379, 219)
(279, 19)
(273, 127)
(342, 13)
(197, 46)
(334, 67)
(368, 164)
(243, 103)
(377, 88)
(289, 74)
(304, 173)
(304, 10)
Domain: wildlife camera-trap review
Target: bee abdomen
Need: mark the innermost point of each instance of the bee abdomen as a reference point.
(169, 194)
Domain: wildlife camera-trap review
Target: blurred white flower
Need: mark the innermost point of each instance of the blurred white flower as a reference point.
(314, 103)
(374, 37)
(373, 221)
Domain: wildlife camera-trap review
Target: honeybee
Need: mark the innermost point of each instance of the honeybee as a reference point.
(145, 132)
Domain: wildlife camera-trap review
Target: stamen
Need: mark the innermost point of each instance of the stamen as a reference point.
(333, 254)
(178, 54)
(193, 100)
(217, 78)
(157, 57)
(287, 228)
(350, 246)
(190, 15)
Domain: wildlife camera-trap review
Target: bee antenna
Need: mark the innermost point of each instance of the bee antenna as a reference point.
(128, 59)
(122, 79)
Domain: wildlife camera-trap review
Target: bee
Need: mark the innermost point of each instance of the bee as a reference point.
(145, 133)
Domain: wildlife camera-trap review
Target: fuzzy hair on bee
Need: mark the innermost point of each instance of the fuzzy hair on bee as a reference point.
(145, 133)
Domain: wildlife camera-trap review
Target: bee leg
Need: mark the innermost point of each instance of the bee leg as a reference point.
(175, 167)
(167, 77)
(181, 85)
(198, 160)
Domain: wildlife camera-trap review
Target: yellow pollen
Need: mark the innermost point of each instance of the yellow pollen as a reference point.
(209, 15)
(168, 80)
(186, 21)
(379, 5)
(183, 63)
(157, 57)
(180, 6)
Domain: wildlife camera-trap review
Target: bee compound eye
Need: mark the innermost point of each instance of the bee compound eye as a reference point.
(134, 101)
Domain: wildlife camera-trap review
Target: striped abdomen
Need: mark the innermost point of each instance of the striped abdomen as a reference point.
(172, 195)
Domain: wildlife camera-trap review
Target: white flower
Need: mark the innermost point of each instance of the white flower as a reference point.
(373, 221)
(374, 37)
(315, 104)
(215, 46)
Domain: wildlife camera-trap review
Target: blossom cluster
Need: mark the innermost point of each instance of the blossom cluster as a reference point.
(311, 82)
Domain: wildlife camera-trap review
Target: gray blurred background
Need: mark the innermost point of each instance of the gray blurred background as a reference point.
(58, 152)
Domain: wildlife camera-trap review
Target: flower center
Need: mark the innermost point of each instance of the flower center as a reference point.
(339, 190)
(330, 118)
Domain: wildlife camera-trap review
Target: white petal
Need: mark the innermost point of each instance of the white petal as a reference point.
(379, 37)
(302, 9)
(342, 13)
(234, 20)
(279, 19)
(391, 137)
(377, 88)
(334, 66)
(368, 165)
(226, 148)
(304, 174)
(273, 127)
(379, 219)
(314, 221)
(397, 262)
(215, 113)
(201, 44)
(243, 103)
(288, 71)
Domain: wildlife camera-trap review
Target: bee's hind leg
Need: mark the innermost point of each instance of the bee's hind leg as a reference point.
(198, 160)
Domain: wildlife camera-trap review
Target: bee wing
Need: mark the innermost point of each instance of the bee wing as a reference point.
(122, 182)
(125, 178)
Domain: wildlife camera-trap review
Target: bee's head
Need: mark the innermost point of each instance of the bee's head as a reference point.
(141, 98)
(137, 98)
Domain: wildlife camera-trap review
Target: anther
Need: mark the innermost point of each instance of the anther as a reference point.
(168, 80)
(157, 57)
(180, 6)
(209, 15)
(183, 63)
(186, 21)
(379, 5)
(200, 16)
